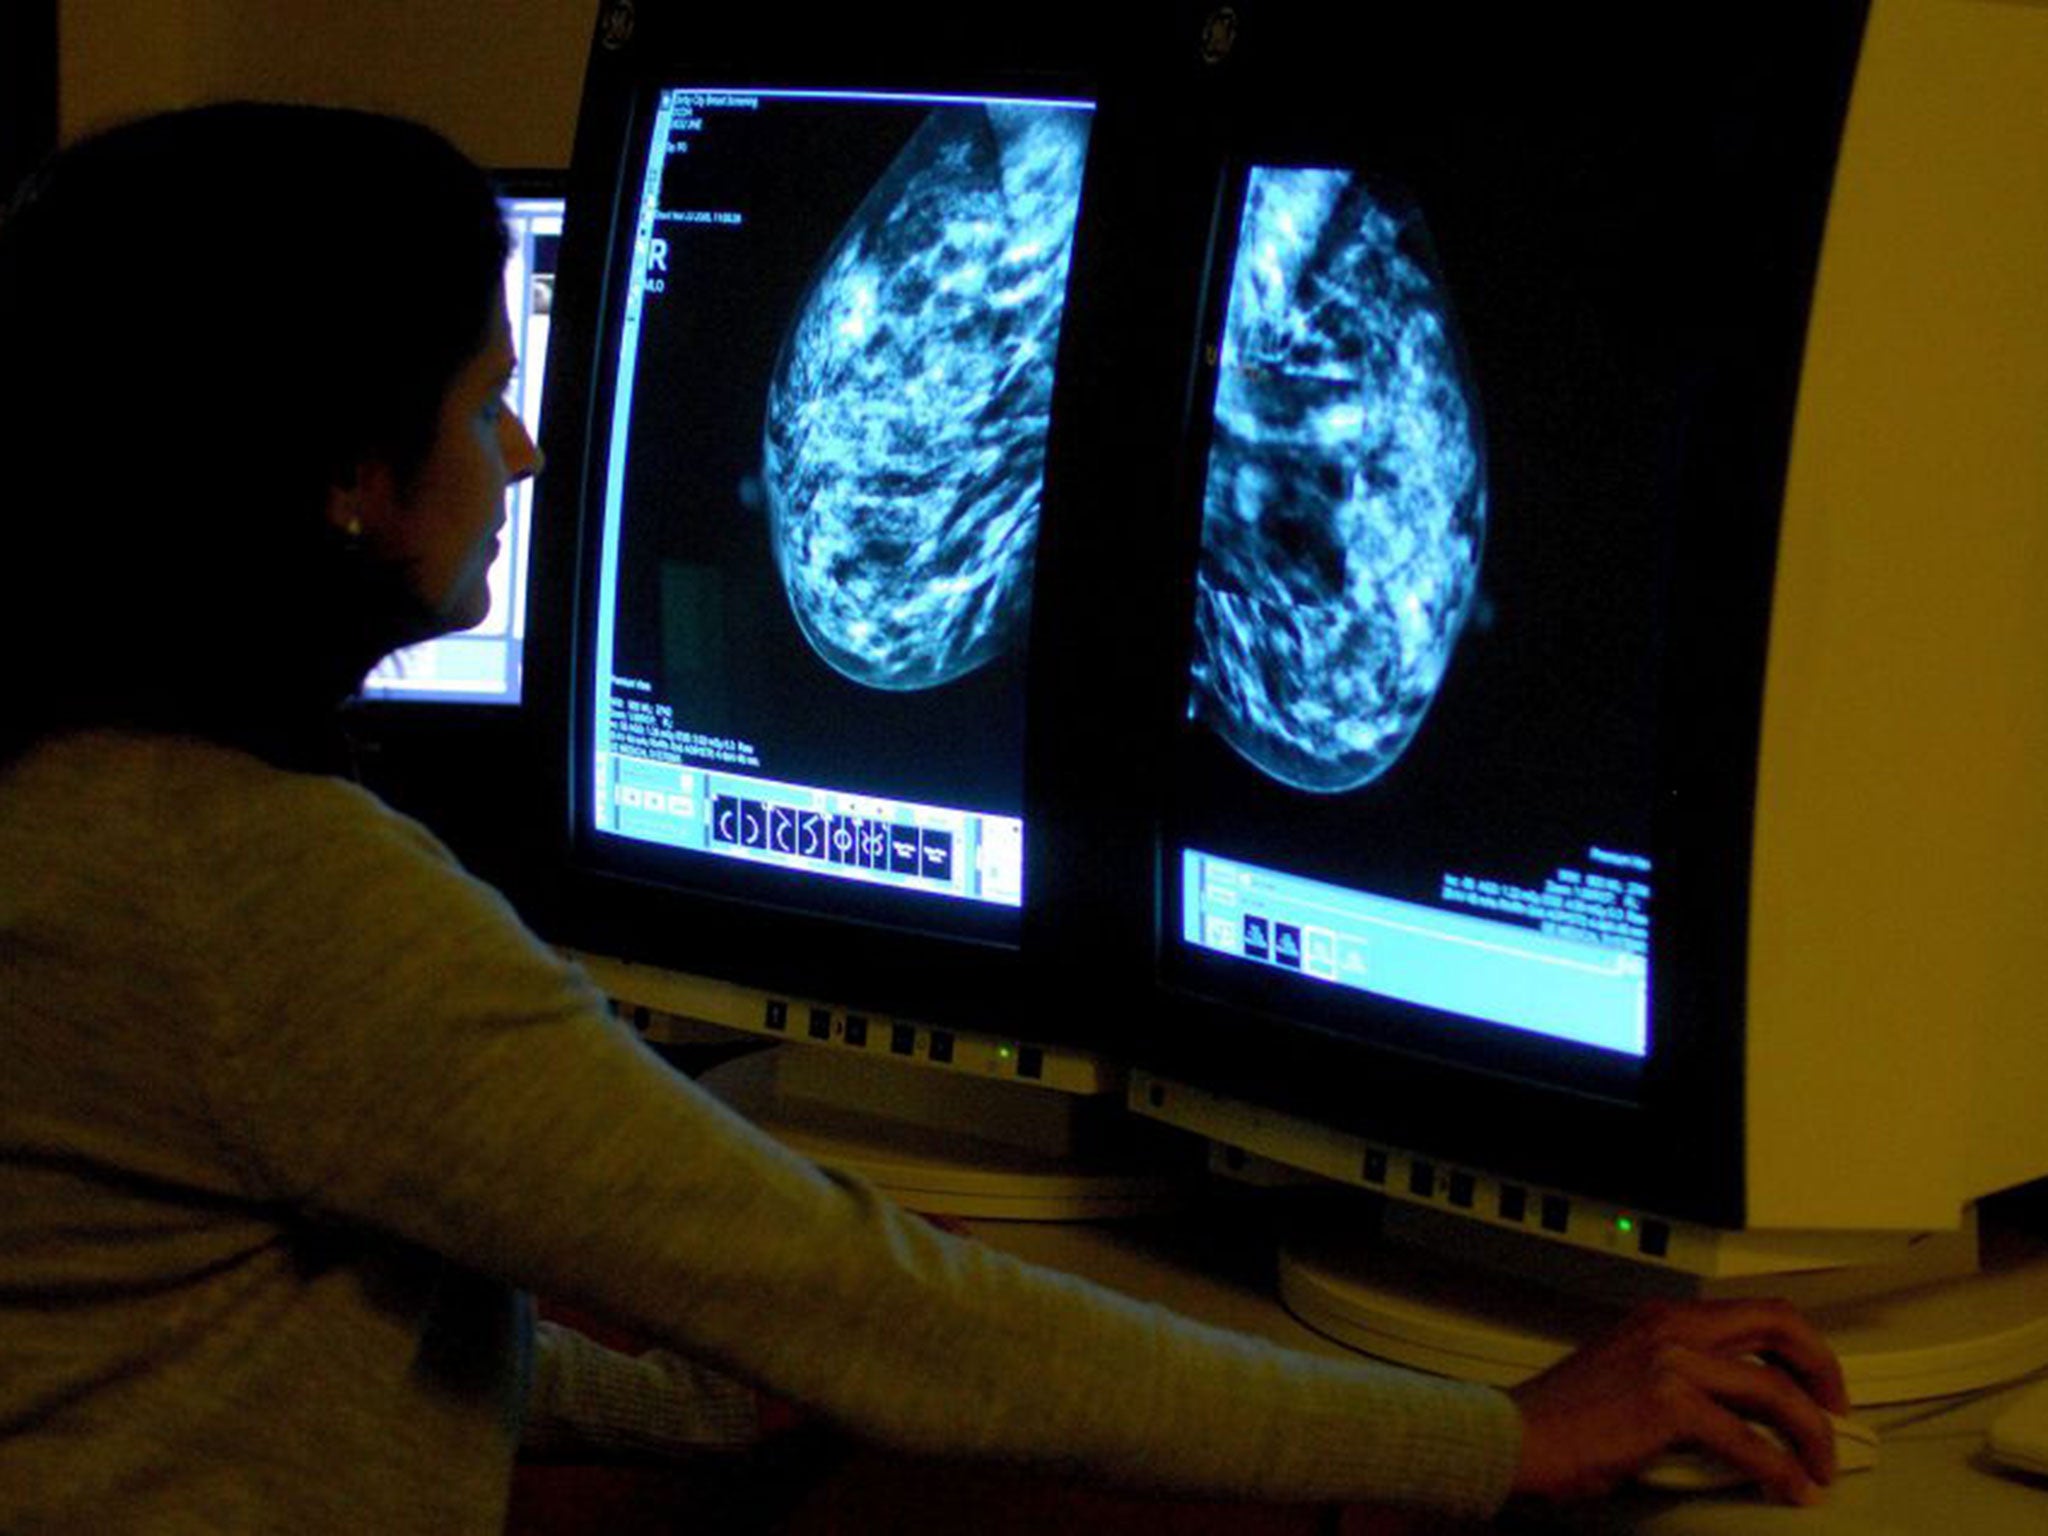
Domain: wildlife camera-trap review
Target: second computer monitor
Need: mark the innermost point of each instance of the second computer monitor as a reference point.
(485, 664)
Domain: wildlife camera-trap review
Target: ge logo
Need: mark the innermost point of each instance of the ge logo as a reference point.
(1219, 35)
(615, 30)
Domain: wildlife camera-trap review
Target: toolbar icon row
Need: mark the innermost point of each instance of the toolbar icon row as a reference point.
(1297, 949)
(800, 837)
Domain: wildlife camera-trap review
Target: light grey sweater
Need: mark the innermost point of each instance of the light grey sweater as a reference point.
(293, 1114)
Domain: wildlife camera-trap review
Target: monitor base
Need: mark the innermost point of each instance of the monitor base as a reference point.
(951, 1145)
(1479, 1323)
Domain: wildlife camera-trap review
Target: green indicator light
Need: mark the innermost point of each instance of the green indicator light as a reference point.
(1624, 1225)
(1006, 1052)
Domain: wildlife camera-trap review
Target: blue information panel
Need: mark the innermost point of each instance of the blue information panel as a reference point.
(1581, 974)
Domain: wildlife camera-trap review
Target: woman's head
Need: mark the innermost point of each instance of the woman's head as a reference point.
(230, 344)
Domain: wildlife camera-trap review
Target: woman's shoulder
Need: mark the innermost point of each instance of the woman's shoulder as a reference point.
(182, 796)
(203, 846)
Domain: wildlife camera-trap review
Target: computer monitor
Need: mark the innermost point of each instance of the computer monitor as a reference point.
(483, 664)
(444, 730)
(1554, 839)
(821, 395)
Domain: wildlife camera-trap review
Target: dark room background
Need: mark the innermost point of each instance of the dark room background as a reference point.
(28, 86)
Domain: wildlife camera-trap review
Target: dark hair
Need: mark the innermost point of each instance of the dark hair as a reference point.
(208, 319)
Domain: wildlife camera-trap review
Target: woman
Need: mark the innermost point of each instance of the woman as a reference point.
(297, 1113)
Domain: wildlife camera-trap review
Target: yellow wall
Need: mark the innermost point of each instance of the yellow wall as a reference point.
(1898, 971)
(501, 80)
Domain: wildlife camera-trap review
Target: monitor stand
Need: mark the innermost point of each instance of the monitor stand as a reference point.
(950, 1144)
(948, 1122)
(1498, 1310)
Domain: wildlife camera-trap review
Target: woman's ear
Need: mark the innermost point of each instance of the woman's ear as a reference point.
(362, 503)
(344, 515)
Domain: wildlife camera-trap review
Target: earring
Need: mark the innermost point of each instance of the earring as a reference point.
(352, 530)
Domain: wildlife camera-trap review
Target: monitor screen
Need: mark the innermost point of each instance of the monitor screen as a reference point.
(1417, 772)
(483, 665)
(819, 455)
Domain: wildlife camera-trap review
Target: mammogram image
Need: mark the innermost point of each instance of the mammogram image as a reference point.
(1345, 507)
(906, 424)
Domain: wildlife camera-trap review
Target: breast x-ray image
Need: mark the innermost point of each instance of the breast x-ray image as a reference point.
(906, 421)
(1345, 506)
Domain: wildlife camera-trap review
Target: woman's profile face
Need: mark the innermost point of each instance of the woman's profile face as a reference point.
(441, 530)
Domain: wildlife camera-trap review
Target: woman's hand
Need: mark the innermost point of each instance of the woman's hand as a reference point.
(1687, 1375)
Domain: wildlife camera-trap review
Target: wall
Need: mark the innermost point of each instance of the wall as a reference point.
(501, 80)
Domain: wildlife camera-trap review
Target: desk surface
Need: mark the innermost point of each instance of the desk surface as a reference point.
(1933, 1478)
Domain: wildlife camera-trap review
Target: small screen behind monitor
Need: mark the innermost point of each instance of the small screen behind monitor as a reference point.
(831, 388)
(483, 665)
(1414, 791)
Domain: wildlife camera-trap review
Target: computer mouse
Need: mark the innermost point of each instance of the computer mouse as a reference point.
(1700, 1471)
